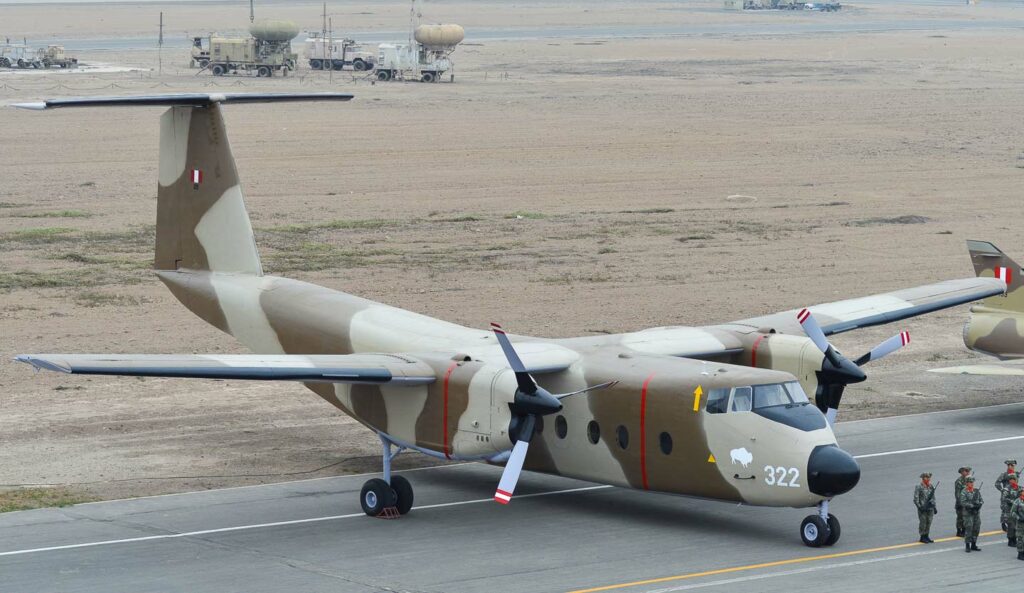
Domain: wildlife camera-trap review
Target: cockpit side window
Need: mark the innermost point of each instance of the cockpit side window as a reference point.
(741, 399)
(718, 401)
(770, 395)
(796, 393)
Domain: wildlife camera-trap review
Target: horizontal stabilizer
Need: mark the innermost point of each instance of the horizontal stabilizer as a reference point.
(999, 370)
(350, 368)
(181, 99)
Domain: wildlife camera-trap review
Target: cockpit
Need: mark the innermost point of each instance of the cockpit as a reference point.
(781, 402)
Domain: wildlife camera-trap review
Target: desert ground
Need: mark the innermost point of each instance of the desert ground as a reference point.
(593, 168)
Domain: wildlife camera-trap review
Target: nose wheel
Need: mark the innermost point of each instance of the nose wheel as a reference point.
(390, 497)
(820, 530)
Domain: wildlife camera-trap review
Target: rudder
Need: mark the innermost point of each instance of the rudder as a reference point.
(989, 261)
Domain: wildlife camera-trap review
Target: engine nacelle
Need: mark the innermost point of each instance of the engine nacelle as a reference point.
(796, 355)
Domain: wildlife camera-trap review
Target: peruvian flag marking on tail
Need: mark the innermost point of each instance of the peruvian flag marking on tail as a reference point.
(803, 315)
(905, 337)
(197, 178)
(502, 496)
(1004, 274)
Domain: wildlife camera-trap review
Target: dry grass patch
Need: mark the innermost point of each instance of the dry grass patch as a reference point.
(23, 499)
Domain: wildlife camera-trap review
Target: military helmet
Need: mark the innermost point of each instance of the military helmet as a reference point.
(926, 475)
(969, 479)
(1010, 462)
(963, 469)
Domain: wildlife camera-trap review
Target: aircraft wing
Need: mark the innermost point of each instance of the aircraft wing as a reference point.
(1007, 369)
(394, 369)
(840, 316)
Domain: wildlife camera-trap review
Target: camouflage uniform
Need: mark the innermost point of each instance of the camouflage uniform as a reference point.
(1004, 478)
(1017, 517)
(958, 487)
(924, 500)
(1009, 495)
(971, 501)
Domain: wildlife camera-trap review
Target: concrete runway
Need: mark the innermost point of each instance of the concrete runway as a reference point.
(557, 535)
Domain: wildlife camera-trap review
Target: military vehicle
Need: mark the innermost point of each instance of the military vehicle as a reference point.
(16, 55)
(718, 412)
(425, 59)
(267, 51)
(335, 54)
(53, 56)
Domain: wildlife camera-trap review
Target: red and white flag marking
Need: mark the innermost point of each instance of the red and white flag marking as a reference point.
(905, 337)
(197, 178)
(502, 496)
(1004, 274)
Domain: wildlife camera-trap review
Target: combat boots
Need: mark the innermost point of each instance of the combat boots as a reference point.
(1012, 542)
(967, 546)
(974, 547)
(1020, 555)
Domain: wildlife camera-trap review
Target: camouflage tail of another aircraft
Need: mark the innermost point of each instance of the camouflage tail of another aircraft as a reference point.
(996, 325)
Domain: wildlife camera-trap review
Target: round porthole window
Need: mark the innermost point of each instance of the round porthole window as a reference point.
(561, 426)
(666, 443)
(622, 435)
(593, 432)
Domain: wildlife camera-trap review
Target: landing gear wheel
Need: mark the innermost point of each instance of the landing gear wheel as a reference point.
(833, 530)
(403, 494)
(376, 496)
(814, 531)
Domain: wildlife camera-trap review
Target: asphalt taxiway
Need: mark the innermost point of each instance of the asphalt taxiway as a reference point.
(557, 535)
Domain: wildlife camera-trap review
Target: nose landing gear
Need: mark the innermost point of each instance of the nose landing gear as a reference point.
(389, 497)
(820, 530)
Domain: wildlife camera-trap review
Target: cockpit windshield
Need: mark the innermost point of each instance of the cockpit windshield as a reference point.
(746, 399)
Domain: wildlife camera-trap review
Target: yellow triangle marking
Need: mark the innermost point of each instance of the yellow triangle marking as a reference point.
(711, 458)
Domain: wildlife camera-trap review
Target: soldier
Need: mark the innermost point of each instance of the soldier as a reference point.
(958, 487)
(971, 501)
(1017, 517)
(1004, 478)
(924, 500)
(1008, 496)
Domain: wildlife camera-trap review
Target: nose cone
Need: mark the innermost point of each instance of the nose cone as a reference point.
(831, 471)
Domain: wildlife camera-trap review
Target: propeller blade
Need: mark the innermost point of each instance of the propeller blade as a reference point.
(591, 388)
(526, 383)
(885, 348)
(812, 329)
(514, 465)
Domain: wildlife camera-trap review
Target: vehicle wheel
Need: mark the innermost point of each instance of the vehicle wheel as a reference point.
(403, 494)
(22, 64)
(814, 531)
(358, 65)
(383, 75)
(218, 70)
(376, 496)
(316, 64)
(427, 77)
(263, 72)
(204, 63)
(833, 530)
(327, 65)
(5, 63)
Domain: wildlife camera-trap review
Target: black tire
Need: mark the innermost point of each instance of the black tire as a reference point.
(218, 70)
(834, 530)
(316, 64)
(359, 65)
(428, 77)
(384, 75)
(327, 65)
(403, 494)
(204, 63)
(5, 63)
(376, 496)
(263, 72)
(814, 531)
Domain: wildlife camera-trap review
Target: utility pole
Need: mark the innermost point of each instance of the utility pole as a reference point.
(252, 11)
(330, 53)
(160, 47)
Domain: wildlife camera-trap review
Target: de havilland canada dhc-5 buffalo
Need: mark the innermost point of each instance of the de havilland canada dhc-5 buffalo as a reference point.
(717, 412)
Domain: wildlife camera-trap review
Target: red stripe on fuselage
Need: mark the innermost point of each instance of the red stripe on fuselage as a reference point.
(643, 430)
(444, 417)
(753, 351)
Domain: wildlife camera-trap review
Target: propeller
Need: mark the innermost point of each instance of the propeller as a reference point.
(837, 371)
(531, 401)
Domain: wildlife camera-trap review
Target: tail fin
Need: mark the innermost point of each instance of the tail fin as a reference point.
(201, 222)
(990, 262)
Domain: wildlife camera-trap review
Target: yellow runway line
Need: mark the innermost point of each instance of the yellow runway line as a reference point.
(802, 560)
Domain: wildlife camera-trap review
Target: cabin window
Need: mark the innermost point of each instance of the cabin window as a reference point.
(593, 431)
(741, 399)
(561, 426)
(622, 435)
(718, 401)
(665, 440)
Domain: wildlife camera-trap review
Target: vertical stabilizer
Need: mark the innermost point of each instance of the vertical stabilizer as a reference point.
(201, 222)
(989, 261)
(996, 326)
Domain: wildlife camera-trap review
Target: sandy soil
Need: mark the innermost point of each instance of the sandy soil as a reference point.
(663, 180)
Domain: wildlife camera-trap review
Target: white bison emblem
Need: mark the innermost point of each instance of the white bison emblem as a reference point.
(741, 456)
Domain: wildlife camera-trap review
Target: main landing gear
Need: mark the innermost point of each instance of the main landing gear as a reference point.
(821, 529)
(391, 497)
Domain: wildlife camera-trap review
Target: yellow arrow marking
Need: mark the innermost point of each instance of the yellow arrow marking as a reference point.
(711, 458)
(699, 391)
(800, 560)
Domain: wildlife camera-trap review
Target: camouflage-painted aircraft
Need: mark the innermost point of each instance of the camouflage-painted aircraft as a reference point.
(996, 326)
(717, 412)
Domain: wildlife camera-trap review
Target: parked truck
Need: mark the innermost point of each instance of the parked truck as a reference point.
(426, 59)
(17, 55)
(266, 52)
(53, 56)
(334, 54)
